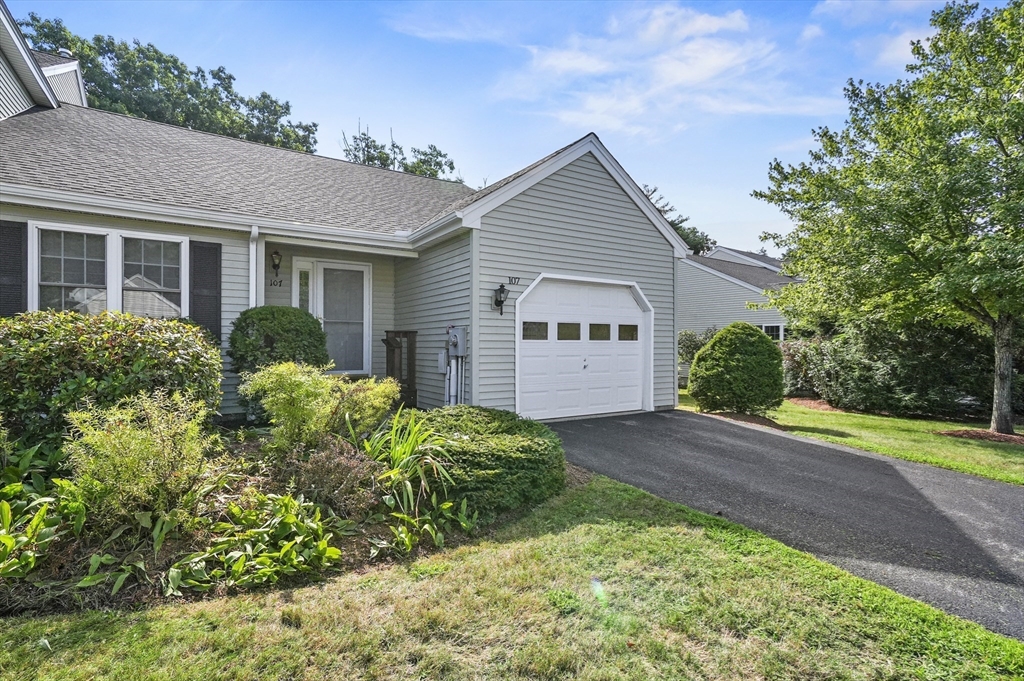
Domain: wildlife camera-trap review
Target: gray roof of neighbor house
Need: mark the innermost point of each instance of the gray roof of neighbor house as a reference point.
(110, 155)
(767, 259)
(751, 274)
(45, 59)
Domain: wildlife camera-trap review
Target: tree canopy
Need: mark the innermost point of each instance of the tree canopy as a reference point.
(915, 210)
(698, 241)
(429, 162)
(140, 80)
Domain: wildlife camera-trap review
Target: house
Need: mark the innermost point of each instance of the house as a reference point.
(722, 287)
(551, 292)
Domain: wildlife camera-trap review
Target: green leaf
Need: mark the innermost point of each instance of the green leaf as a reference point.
(92, 580)
(119, 582)
(5, 516)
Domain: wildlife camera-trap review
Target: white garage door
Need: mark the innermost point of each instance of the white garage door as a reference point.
(581, 350)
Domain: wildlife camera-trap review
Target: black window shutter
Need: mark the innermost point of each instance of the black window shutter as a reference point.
(204, 288)
(13, 268)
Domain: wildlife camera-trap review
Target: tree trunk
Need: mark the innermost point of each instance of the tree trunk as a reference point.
(1002, 398)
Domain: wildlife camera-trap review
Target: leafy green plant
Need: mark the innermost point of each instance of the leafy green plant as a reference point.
(278, 536)
(739, 370)
(689, 342)
(142, 455)
(306, 405)
(31, 522)
(497, 461)
(272, 334)
(52, 362)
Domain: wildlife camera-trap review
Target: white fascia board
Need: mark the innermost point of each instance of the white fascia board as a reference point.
(590, 144)
(144, 210)
(437, 231)
(57, 69)
(749, 287)
(24, 64)
(752, 261)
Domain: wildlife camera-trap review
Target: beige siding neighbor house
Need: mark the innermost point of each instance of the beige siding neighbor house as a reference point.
(553, 292)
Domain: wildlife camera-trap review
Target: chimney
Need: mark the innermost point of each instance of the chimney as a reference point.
(66, 53)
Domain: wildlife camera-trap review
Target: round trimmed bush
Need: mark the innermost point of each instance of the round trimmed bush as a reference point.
(739, 370)
(52, 362)
(499, 461)
(274, 334)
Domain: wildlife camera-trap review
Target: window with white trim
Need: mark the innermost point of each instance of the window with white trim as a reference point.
(773, 331)
(90, 269)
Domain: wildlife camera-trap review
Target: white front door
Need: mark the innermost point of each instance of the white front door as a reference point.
(341, 301)
(581, 350)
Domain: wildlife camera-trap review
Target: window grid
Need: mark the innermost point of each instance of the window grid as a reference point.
(72, 271)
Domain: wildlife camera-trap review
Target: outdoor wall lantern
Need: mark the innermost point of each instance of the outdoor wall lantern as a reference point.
(275, 259)
(500, 296)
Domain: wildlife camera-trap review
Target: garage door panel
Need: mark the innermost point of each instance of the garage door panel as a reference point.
(595, 374)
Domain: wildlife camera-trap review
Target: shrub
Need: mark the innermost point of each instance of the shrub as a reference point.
(689, 342)
(142, 455)
(267, 335)
(498, 461)
(796, 369)
(341, 477)
(918, 369)
(306, 405)
(740, 370)
(50, 362)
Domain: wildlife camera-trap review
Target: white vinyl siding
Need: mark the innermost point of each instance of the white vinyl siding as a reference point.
(382, 296)
(234, 270)
(65, 86)
(14, 98)
(433, 292)
(579, 222)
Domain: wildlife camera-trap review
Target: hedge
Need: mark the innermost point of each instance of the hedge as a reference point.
(52, 362)
(499, 461)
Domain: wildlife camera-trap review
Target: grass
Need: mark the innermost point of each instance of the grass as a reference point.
(910, 439)
(602, 582)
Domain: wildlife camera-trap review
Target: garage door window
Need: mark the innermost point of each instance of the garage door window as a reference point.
(600, 332)
(629, 332)
(535, 331)
(568, 331)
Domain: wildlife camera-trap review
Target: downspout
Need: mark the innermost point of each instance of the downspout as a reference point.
(254, 235)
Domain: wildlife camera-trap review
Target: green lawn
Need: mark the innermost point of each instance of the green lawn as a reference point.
(602, 582)
(911, 439)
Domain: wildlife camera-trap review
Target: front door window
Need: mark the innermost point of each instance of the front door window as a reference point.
(344, 307)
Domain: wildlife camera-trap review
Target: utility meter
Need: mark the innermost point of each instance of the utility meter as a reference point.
(457, 341)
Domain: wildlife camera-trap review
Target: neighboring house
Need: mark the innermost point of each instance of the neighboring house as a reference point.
(100, 210)
(719, 288)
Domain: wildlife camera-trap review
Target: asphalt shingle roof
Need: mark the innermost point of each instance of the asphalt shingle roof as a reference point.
(767, 259)
(45, 59)
(97, 152)
(751, 274)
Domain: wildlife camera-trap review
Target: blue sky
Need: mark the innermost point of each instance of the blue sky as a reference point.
(696, 98)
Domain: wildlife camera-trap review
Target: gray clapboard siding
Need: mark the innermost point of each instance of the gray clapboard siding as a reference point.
(433, 292)
(578, 221)
(234, 270)
(707, 300)
(730, 257)
(13, 97)
(65, 86)
(382, 289)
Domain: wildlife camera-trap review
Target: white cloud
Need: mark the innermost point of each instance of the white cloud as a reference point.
(652, 67)
(895, 50)
(852, 12)
(810, 32)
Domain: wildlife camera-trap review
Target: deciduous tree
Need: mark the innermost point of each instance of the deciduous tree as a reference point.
(916, 208)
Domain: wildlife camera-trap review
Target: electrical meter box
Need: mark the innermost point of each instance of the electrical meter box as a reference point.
(457, 342)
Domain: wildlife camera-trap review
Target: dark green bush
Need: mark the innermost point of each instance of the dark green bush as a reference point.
(51, 362)
(689, 342)
(272, 334)
(498, 461)
(919, 369)
(739, 370)
(796, 367)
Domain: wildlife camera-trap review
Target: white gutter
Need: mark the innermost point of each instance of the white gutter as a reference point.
(254, 235)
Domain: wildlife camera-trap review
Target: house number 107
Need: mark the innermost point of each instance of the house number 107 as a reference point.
(277, 282)
(514, 281)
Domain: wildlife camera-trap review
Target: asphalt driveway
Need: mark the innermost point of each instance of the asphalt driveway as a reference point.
(949, 539)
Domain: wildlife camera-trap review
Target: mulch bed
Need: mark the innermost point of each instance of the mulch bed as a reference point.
(811, 403)
(987, 435)
(749, 418)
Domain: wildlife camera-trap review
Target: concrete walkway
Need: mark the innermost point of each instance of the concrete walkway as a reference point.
(955, 541)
